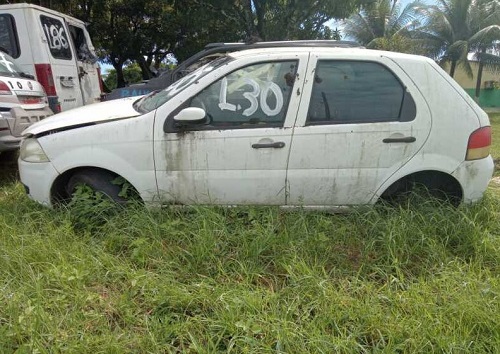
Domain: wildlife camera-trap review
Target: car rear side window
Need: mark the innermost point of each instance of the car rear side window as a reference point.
(57, 38)
(9, 42)
(357, 92)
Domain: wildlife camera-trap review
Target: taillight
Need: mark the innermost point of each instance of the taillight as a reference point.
(4, 89)
(479, 144)
(45, 78)
(30, 100)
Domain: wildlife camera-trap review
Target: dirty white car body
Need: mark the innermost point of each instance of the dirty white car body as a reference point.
(285, 128)
(22, 102)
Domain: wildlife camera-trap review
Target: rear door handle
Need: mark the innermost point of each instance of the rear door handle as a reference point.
(406, 139)
(276, 145)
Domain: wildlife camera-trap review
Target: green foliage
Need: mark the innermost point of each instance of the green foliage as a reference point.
(90, 210)
(495, 143)
(260, 280)
(386, 25)
(454, 28)
(250, 280)
(281, 20)
(127, 191)
(146, 31)
(131, 73)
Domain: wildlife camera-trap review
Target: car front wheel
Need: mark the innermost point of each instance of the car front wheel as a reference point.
(98, 181)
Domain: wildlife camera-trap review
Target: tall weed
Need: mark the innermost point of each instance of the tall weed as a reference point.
(422, 278)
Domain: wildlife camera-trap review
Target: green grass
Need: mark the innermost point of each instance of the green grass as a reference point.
(495, 152)
(248, 280)
(495, 147)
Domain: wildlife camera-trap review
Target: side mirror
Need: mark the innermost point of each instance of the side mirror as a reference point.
(190, 115)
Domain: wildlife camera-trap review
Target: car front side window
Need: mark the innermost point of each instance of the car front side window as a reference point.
(253, 96)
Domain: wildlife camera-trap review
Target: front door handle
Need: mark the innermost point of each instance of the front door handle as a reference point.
(276, 145)
(406, 139)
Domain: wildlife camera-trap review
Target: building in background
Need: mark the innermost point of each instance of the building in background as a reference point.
(489, 96)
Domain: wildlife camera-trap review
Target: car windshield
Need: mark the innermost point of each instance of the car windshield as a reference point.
(157, 98)
(8, 67)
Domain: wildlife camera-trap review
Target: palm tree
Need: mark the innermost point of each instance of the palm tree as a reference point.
(456, 28)
(384, 24)
(486, 37)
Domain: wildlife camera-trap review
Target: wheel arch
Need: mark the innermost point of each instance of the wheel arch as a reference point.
(432, 179)
(58, 192)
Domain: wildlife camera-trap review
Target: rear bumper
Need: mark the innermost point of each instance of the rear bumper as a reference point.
(13, 123)
(474, 177)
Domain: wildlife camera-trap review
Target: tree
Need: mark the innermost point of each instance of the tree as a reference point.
(131, 73)
(386, 25)
(485, 25)
(282, 19)
(455, 27)
(146, 31)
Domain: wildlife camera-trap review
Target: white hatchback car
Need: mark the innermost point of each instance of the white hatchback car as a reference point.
(302, 123)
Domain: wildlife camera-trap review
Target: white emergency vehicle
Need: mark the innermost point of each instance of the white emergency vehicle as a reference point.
(22, 103)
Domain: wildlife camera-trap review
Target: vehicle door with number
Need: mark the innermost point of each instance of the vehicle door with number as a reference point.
(357, 125)
(238, 154)
(62, 61)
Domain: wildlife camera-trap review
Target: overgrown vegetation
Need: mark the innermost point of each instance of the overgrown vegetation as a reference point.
(250, 280)
(495, 146)
(419, 279)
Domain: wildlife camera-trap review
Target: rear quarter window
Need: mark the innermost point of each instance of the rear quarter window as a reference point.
(9, 42)
(57, 38)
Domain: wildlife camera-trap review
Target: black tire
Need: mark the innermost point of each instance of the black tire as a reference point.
(99, 181)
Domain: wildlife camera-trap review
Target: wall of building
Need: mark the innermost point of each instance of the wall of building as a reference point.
(488, 97)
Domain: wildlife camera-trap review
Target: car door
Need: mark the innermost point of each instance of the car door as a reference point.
(86, 61)
(240, 154)
(62, 60)
(358, 124)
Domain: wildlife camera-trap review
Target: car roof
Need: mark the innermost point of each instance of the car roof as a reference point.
(277, 44)
(213, 48)
(346, 52)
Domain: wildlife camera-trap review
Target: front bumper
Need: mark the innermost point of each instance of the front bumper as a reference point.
(474, 177)
(37, 179)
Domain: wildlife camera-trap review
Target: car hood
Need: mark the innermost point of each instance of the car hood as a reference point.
(94, 113)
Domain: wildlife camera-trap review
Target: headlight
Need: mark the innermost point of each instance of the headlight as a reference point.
(31, 151)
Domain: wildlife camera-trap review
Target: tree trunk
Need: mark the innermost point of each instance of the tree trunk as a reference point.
(453, 67)
(260, 12)
(479, 76)
(146, 72)
(120, 79)
(250, 29)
